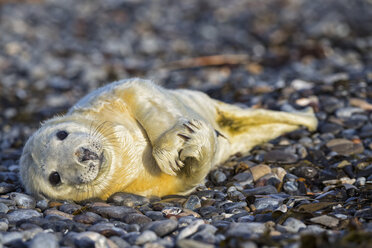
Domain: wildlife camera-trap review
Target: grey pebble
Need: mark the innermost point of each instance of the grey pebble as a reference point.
(136, 218)
(189, 243)
(146, 237)
(47, 240)
(69, 208)
(115, 212)
(205, 233)
(91, 239)
(325, 220)
(107, 229)
(155, 215)
(23, 200)
(280, 157)
(162, 227)
(294, 225)
(190, 229)
(22, 214)
(87, 218)
(11, 238)
(6, 188)
(42, 204)
(245, 230)
(127, 199)
(348, 112)
(193, 202)
(266, 203)
(264, 190)
(244, 178)
(4, 224)
(121, 243)
(3, 208)
(218, 177)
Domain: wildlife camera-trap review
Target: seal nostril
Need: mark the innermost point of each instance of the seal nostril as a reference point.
(88, 155)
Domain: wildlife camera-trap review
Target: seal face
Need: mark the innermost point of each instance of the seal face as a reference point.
(64, 156)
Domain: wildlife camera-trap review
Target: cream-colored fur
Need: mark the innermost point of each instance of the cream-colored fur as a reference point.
(137, 137)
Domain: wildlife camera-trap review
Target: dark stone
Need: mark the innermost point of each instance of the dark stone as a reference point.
(127, 199)
(162, 227)
(280, 157)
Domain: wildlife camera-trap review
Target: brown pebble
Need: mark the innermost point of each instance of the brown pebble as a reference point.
(259, 171)
(279, 172)
(58, 213)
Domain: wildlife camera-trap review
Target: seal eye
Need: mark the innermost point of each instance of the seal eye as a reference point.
(61, 135)
(54, 178)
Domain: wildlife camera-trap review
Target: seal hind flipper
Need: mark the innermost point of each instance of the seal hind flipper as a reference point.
(246, 128)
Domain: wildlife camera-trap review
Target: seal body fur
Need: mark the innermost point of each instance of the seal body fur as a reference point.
(135, 136)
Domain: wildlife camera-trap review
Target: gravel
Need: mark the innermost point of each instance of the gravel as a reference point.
(301, 189)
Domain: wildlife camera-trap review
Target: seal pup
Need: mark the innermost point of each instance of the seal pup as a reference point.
(135, 136)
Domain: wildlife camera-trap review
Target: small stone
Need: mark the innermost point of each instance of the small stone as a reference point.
(331, 128)
(345, 147)
(245, 230)
(91, 239)
(42, 204)
(6, 188)
(155, 215)
(87, 218)
(56, 213)
(115, 212)
(12, 239)
(266, 203)
(218, 177)
(264, 190)
(244, 178)
(136, 218)
(69, 208)
(4, 224)
(162, 227)
(305, 172)
(280, 157)
(127, 199)
(189, 243)
(22, 214)
(361, 181)
(279, 172)
(121, 243)
(190, 229)
(294, 225)
(325, 220)
(235, 196)
(348, 112)
(23, 200)
(3, 208)
(259, 171)
(146, 237)
(107, 229)
(313, 229)
(193, 202)
(206, 234)
(47, 240)
(299, 84)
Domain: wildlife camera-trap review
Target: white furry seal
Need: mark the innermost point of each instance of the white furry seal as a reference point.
(137, 137)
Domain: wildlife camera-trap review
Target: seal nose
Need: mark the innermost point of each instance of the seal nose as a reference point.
(85, 154)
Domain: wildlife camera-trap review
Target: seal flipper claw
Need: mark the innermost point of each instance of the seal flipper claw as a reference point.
(187, 139)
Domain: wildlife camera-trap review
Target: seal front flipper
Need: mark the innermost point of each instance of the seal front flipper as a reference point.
(182, 142)
(186, 147)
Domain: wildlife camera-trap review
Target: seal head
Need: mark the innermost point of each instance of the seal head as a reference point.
(64, 156)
